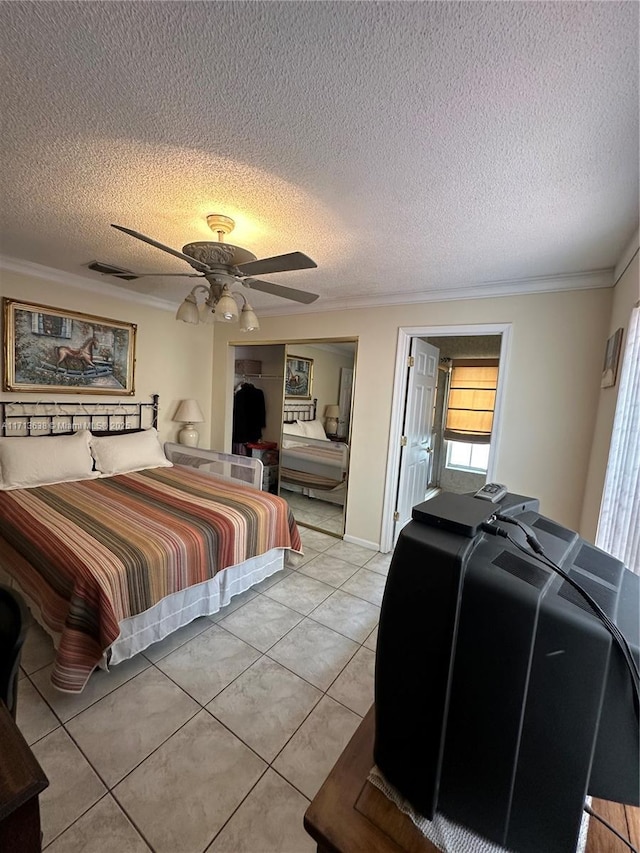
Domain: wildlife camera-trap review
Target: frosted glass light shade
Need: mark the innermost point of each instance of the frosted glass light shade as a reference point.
(188, 311)
(248, 319)
(226, 307)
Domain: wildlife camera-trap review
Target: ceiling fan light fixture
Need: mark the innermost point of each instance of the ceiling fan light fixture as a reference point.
(207, 311)
(220, 225)
(188, 311)
(248, 319)
(221, 265)
(226, 307)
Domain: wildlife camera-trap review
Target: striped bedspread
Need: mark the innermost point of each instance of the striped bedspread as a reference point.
(322, 465)
(330, 455)
(310, 481)
(94, 552)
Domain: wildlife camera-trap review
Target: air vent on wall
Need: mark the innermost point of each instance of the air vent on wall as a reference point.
(117, 272)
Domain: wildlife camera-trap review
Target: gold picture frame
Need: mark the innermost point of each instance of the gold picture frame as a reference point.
(299, 377)
(611, 359)
(49, 349)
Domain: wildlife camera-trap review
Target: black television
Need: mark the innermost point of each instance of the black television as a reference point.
(501, 700)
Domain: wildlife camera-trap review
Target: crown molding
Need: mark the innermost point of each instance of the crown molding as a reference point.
(590, 280)
(67, 279)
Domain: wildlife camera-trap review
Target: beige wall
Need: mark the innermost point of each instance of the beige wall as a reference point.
(172, 359)
(552, 390)
(625, 296)
(554, 407)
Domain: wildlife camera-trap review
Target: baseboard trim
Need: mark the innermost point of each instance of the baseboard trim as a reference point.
(364, 543)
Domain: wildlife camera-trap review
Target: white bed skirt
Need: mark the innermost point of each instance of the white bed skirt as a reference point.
(175, 611)
(331, 496)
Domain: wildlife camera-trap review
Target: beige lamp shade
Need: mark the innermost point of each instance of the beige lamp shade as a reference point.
(189, 413)
(331, 414)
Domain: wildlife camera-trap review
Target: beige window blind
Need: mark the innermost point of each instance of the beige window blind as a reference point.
(471, 400)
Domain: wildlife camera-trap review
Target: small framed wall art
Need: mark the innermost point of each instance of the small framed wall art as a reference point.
(611, 359)
(54, 350)
(299, 377)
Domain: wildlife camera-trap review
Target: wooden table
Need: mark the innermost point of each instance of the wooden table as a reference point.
(350, 815)
(21, 781)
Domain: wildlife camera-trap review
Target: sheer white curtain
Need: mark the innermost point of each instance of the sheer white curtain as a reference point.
(619, 523)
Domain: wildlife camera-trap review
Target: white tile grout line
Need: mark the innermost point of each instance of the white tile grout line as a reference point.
(190, 639)
(269, 764)
(202, 707)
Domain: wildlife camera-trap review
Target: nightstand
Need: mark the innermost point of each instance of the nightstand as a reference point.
(270, 479)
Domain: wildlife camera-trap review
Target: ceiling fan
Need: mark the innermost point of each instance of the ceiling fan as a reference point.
(224, 265)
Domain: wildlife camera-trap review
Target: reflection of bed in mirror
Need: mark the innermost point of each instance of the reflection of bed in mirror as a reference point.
(310, 463)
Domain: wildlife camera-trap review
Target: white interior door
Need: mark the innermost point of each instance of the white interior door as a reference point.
(417, 431)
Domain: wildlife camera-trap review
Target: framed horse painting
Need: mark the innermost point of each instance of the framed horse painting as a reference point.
(49, 349)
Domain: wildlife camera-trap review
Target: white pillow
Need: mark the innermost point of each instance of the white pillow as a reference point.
(294, 429)
(121, 454)
(286, 444)
(28, 462)
(314, 429)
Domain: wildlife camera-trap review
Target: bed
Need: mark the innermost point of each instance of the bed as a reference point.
(114, 561)
(310, 463)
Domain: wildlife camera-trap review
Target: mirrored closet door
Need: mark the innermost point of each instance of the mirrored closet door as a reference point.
(307, 390)
(315, 446)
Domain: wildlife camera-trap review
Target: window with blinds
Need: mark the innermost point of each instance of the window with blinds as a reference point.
(471, 400)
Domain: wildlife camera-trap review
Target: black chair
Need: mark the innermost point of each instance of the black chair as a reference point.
(14, 621)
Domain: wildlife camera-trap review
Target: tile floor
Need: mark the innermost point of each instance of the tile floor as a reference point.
(318, 513)
(216, 738)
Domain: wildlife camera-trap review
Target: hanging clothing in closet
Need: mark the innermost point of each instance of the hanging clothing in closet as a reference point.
(249, 414)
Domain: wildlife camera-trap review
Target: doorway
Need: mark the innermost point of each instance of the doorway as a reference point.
(427, 430)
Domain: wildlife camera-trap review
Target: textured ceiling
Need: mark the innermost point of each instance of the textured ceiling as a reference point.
(406, 147)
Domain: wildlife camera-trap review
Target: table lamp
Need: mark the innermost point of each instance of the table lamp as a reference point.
(189, 413)
(331, 415)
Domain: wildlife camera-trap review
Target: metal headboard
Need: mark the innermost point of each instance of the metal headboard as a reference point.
(29, 418)
(296, 410)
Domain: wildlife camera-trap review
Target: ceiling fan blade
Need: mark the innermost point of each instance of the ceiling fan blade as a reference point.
(279, 290)
(165, 274)
(195, 264)
(279, 263)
